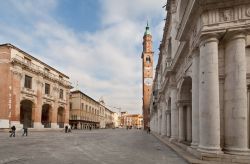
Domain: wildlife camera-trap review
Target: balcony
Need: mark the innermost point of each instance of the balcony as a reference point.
(48, 97)
(62, 101)
(28, 91)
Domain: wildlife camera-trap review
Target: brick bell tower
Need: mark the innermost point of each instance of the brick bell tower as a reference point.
(147, 75)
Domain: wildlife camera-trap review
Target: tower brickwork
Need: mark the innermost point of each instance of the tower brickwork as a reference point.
(147, 74)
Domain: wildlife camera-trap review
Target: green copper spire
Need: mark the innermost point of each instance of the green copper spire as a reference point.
(147, 32)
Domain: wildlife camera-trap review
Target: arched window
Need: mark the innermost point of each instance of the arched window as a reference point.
(148, 60)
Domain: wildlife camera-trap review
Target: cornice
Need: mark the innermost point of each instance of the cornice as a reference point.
(177, 55)
(185, 19)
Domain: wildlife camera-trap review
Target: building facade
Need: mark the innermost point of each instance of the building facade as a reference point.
(147, 74)
(200, 95)
(107, 116)
(33, 94)
(132, 120)
(86, 113)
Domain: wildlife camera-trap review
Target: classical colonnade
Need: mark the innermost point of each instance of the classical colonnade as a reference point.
(209, 109)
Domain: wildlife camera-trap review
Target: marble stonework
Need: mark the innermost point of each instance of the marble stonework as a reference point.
(202, 79)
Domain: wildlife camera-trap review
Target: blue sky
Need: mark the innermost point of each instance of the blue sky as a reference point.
(95, 42)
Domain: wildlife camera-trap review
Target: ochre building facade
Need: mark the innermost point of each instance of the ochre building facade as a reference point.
(33, 94)
(201, 94)
(87, 113)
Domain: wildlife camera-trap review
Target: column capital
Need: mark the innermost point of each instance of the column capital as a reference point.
(208, 38)
(181, 103)
(232, 35)
(195, 52)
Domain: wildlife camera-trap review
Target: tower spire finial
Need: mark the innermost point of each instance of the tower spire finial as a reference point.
(147, 32)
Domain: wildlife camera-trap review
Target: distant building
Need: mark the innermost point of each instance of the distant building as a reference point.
(116, 120)
(107, 116)
(85, 112)
(132, 120)
(33, 94)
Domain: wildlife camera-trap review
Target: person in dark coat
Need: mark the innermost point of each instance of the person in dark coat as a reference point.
(25, 131)
(66, 129)
(148, 130)
(13, 131)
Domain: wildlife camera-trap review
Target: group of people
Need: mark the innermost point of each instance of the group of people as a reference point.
(13, 131)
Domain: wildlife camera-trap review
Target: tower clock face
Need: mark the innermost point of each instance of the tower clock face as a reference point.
(148, 81)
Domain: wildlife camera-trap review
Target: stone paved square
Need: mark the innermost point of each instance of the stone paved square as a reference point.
(107, 146)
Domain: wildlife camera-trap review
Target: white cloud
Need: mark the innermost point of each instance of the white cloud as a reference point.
(105, 63)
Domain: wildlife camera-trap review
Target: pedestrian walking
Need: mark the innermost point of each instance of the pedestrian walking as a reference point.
(66, 129)
(90, 128)
(148, 130)
(13, 131)
(25, 131)
(69, 130)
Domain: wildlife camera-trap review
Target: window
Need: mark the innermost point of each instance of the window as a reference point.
(60, 77)
(70, 105)
(28, 82)
(47, 89)
(61, 94)
(148, 60)
(82, 106)
(46, 69)
(27, 61)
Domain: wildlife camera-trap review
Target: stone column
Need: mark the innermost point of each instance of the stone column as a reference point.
(168, 124)
(164, 122)
(54, 116)
(195, 99)
(236, 137)
(181, 124)
(174, 115)
(189, 123)
(159, 121)
(156, 122)
(39, 104)
(209, 113)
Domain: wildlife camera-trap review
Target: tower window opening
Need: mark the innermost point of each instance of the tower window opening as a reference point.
(148, 60)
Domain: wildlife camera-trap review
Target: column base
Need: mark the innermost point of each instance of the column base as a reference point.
(4, 123)
(237, 151)
(17, 124)
(54, 126)
(181, 139)
(214, 150)
(172, 139)
(194, 145)
(38, 125)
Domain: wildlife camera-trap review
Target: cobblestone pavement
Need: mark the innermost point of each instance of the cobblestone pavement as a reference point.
(111, 146)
